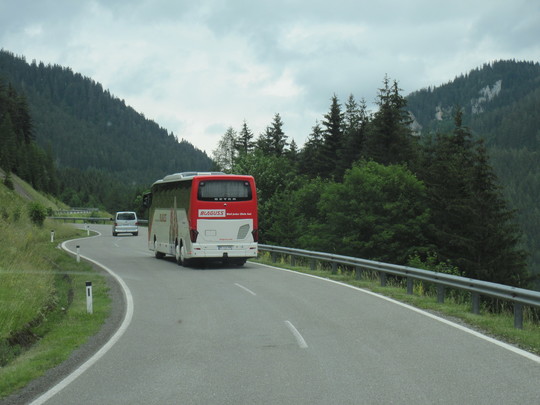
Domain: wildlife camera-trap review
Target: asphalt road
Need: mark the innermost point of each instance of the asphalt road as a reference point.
(260, 335)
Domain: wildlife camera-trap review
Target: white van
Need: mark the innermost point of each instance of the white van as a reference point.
(125, 222)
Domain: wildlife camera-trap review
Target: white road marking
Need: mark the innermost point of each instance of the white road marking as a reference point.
(504, 345)
(299, 339)
(244, 288)
(101, 352)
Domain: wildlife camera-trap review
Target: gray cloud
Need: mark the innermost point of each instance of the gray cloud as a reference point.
(197, 68)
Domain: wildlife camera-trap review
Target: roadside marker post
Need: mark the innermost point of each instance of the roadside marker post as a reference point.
(52, 236)
(78, 254)
(89, 302)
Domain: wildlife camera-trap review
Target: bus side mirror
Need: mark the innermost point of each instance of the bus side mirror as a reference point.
(147, 200)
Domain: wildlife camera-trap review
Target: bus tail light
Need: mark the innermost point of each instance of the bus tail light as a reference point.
(255, 234)
(193, 233)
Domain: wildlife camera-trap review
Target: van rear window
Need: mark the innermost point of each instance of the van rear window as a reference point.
(224, 190)
(126, 216)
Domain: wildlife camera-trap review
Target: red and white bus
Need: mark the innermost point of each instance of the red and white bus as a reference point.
(203, 216)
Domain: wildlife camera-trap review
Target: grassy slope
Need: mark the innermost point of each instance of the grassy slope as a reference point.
(42, 293)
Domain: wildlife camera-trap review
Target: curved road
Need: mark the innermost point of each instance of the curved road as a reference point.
(259, 335)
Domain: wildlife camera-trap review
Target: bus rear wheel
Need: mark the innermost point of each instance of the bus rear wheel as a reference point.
(180, 256)
(159, 255)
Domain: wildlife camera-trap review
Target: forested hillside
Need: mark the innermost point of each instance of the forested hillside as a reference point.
(501, 104)
(101, 146)
(19, 153)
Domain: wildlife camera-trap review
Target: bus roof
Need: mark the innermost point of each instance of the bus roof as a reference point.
(187, 176)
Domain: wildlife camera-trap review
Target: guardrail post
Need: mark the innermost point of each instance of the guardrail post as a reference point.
(334, 267)
(312, 264)
(293, 260)
(518, 315)
(273, 256)
(382, 276)
(475, 303)
(410, 285)
(358, 272)
(440, 293)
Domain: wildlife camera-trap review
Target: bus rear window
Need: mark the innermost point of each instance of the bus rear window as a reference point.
(224, 190)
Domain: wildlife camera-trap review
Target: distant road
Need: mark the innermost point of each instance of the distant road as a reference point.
(259, 335)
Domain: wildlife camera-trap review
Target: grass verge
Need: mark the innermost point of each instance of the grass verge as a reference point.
(456, 306)
(43, 316)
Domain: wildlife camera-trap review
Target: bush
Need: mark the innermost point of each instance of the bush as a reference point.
(8, 182)
(37, 213)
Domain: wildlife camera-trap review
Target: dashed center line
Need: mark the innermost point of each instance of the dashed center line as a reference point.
(245, 288)
(299, 339)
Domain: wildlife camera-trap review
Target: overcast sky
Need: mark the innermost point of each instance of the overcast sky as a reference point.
(199, 67)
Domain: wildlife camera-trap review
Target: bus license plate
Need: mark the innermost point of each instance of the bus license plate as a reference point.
(224, 247)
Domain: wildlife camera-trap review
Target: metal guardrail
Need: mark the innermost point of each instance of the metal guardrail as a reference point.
(477, 288)
(76, 210)
(92, 220)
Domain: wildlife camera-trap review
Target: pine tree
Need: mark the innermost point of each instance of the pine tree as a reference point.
(264, 142)
(292, 154)
(311, 157)
(279, 139)
(472, 225)
(389, 139)
(8, 144)
(273, 141)
(333, 139)
(23, 120)
(496, 245)
(354, 128)
(245, 143)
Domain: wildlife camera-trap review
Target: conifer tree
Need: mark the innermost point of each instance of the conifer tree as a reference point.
(354, 127)
(472, 225)
(333, 139)
(264, 142)
(292, 154)
(389, 139)
(273, 141)
(311, 157)
(8, 144)
(22, 119)
(279, 139)
(245, 143)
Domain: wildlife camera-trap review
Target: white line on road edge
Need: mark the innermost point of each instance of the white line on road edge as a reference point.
(504, 345)
(101, 352)
(299, 339)
(244, 288)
